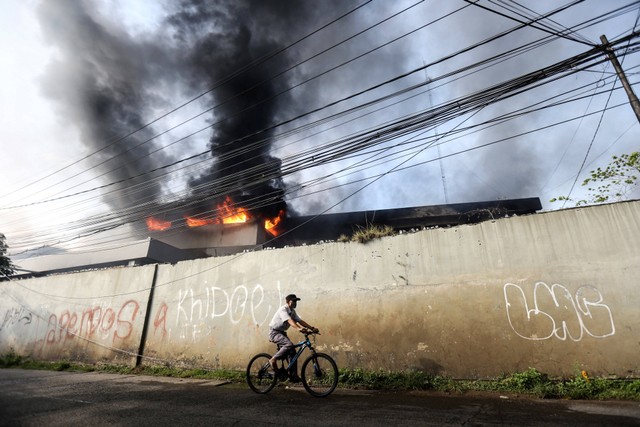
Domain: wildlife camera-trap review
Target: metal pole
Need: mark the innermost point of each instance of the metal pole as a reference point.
(633, 99)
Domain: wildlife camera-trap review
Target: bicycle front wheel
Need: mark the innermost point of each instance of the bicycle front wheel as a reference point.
(260, 375)
(319, 375)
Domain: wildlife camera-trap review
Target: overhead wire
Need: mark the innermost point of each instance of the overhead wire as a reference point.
(532, 22)
(221, 82)
(314, 77)
(528, 13)
(234, 96)
(474, 46)
(457, 101)
(352, 182)
(568, 197)
(461, 152)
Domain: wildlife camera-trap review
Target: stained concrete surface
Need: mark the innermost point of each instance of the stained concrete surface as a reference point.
(30, 398)
(555, 291)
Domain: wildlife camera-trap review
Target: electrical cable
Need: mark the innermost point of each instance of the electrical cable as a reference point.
(533, 21)
(389, 81)
(216, 85)
(457, 101)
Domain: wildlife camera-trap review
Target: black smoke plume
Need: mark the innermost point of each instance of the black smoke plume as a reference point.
(220, 39)
(105, 81)
(100, 79)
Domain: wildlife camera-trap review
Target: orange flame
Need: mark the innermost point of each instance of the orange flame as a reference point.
(198, 222)
(271, 223)
(155, 224)
(231, 215)
(227, 214)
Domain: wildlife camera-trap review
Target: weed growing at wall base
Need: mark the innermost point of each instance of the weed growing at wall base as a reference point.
(10, 359)
(529, 383)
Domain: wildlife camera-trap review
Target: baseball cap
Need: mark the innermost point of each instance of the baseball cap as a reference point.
(292, 297)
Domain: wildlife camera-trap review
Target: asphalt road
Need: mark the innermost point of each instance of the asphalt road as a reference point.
(45, 398)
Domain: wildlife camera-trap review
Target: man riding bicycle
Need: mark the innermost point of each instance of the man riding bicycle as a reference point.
(285, 317)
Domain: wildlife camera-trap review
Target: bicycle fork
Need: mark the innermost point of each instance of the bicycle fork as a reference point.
(317, 371)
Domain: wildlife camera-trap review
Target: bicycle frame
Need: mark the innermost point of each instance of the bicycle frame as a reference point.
(319, 372)
(301, 346)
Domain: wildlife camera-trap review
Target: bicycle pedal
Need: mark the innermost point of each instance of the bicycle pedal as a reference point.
(282, 374)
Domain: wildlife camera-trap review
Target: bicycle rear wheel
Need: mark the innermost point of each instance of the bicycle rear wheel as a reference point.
(260, 375)
(319, 375)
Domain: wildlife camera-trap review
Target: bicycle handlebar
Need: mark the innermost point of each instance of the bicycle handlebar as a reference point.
(308, 332)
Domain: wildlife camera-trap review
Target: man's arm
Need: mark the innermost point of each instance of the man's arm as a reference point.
(300, 324)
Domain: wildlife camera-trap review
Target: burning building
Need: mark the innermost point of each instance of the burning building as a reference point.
(231, 229)
(235, 228)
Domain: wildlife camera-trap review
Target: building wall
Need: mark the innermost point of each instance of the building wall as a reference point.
(90, 316)
(554, 291)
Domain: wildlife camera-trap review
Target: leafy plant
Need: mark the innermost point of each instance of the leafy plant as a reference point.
(530, 382)
(6, 266)
(10, 359)
(526, 381)
(614, 183)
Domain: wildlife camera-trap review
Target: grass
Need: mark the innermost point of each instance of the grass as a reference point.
(528, 383)
(365, 234)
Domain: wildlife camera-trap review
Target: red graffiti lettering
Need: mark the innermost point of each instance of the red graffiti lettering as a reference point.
(160, 322)
(101, 321)
(63, 324)
(51, 329)
(71, 330)
(110, 318)
(128, 311)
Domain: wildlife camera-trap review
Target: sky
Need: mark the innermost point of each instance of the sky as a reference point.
(115, 111)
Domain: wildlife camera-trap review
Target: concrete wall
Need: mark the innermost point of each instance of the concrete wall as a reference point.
(555, 291)
(90, 316)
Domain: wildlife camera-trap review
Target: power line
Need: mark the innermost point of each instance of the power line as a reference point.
(359, 93)
(532, 22)
(226, 79)
(456, 104)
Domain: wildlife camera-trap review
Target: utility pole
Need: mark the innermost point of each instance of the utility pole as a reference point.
(633, 99)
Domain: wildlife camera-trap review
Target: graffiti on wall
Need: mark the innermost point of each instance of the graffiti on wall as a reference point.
(554, 312)
(16, 316)
(98, 322)
(193, 310)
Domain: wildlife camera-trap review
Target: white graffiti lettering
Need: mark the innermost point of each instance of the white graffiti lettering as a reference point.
(15, 316)
(557, 313)
(238, 304)
(213, 302)
(180, 310)
(217, 302)
(255, 303)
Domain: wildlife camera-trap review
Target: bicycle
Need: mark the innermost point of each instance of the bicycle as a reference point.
(319, 371)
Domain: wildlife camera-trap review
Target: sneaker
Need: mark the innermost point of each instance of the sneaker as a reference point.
(282, 374)
(294, 378)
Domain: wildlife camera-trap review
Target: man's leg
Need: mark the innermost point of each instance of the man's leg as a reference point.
(285, 344)
(293, 368)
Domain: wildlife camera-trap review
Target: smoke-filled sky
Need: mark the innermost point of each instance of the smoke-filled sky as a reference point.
(116, 110)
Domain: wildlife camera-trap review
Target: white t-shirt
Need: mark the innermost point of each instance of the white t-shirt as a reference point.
(280, 320)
